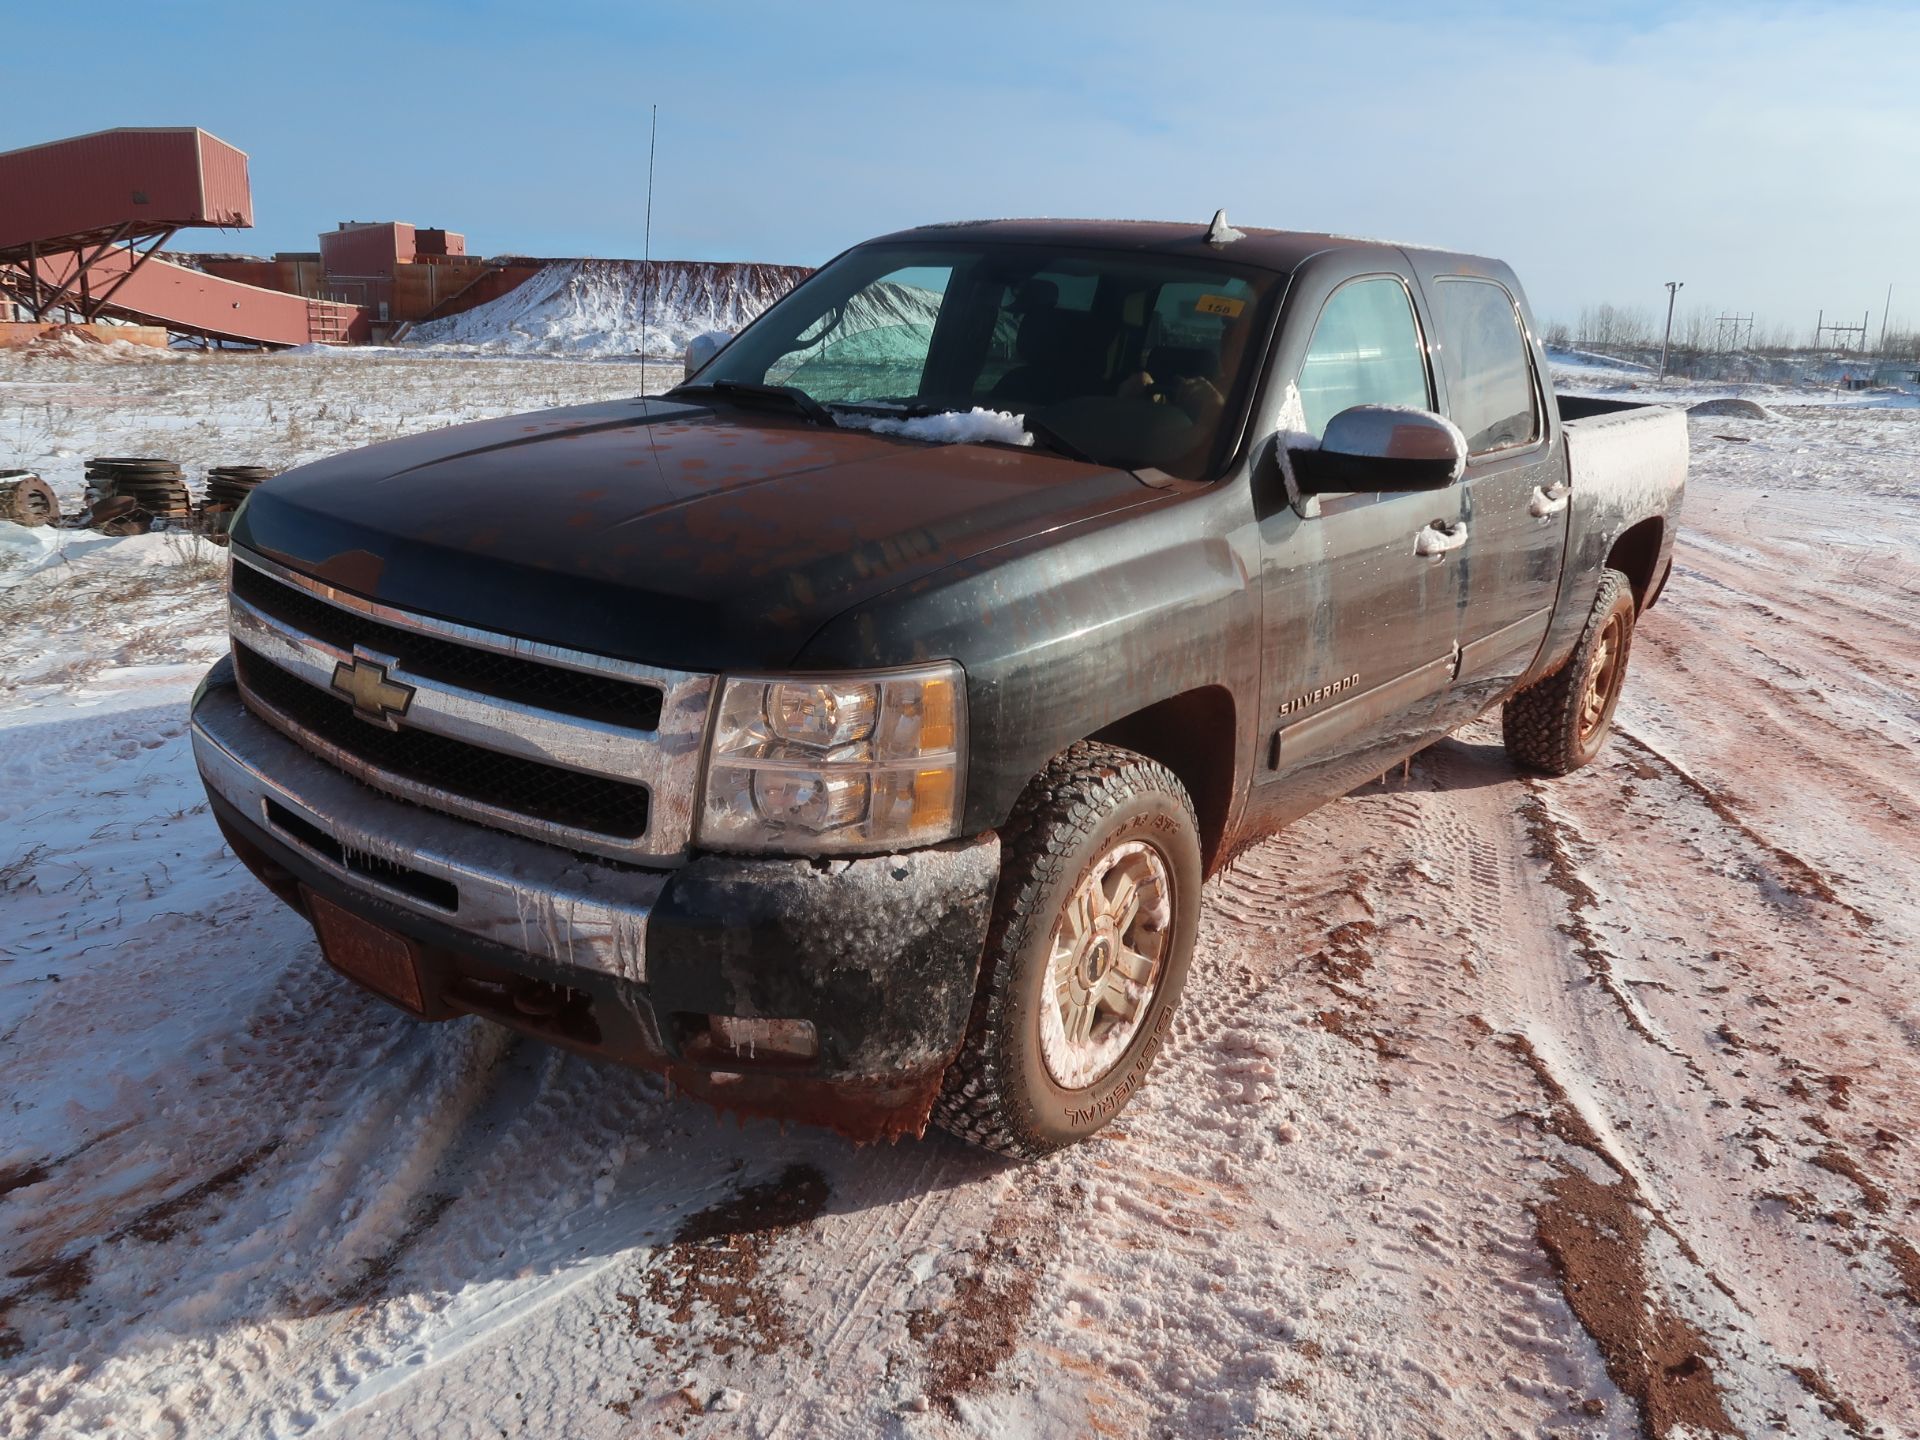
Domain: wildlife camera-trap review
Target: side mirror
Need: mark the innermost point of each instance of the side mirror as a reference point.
(1382, 448)
(701, 349)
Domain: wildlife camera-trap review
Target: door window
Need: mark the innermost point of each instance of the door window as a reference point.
(1489, 368)
(1365, 351)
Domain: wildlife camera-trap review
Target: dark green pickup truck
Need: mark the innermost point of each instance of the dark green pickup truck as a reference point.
(847, 733)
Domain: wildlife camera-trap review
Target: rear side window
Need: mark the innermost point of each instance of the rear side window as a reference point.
(1489, 369)
(1365, 351)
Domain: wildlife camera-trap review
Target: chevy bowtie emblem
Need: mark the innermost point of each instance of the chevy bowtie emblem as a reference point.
(376, 699)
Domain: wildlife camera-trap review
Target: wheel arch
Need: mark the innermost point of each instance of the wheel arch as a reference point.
(1193, 734)
(1636, 554)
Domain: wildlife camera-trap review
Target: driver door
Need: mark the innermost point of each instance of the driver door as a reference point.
(1360, 628)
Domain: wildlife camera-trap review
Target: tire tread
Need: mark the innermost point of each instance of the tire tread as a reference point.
(1059, 808)
(1541, 724)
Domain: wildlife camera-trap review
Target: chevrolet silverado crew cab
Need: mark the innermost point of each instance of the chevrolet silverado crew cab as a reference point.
(847, 733)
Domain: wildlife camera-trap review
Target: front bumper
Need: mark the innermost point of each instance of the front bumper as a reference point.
(880, 955)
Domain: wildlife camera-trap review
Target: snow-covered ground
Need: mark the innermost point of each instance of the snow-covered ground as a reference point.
(1497, 1106)
(278, 410)
(1810, 381)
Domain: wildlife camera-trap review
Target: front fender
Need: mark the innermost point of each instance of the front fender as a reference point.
(1064, 634)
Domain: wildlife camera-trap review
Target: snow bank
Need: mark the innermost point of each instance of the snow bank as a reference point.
(1732, 405)
(955, 427)
(703, 347)
(28, 552)
(74, 342)
(26, 547)
(1573, 359)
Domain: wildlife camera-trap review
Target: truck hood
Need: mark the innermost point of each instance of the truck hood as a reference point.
(658, 530)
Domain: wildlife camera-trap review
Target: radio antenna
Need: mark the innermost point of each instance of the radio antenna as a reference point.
(646, 251)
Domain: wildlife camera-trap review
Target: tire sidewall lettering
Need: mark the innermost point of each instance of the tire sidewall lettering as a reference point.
(1111, 1100)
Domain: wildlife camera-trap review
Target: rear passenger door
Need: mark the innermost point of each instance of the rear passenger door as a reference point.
(1359, 628)
(1516, 500)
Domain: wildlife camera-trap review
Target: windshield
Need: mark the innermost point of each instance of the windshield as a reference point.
(1139, 361)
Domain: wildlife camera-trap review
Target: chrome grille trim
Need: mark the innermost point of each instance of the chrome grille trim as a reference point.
(633, 670)
(665, 760)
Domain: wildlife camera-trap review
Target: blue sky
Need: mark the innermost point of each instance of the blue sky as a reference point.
(1766, 154)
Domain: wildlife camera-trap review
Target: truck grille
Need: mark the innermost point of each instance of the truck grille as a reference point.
(527, 682)
(584, 751)
(484, 777)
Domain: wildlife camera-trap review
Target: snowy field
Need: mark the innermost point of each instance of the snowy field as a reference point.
(1497, 1107)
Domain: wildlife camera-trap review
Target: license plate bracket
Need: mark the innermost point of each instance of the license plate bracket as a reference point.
(380, 959)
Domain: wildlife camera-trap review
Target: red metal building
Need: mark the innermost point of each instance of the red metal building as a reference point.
(367, 250)
(81, 221)
(121, 184)
(76, 213)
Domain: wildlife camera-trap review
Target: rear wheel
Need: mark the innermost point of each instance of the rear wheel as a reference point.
(1561, 723)
(1092, 933)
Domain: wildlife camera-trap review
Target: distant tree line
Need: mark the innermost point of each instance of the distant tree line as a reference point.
(1709, 346)
(1628, 331)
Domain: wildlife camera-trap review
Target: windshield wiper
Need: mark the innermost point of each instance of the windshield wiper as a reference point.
(1048, 438)
(788, 396)
(891, 409)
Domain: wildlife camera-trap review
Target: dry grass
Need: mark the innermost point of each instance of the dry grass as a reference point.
(194, 558)
(274, 410)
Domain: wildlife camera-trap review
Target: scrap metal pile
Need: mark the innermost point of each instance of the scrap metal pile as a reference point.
(134, 495)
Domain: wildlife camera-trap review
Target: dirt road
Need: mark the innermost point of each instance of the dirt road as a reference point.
(1497, 1106)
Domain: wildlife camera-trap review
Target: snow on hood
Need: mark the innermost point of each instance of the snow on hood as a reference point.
(953, 427)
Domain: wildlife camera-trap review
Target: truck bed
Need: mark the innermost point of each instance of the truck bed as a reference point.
(1632, 453)
(1627, 466)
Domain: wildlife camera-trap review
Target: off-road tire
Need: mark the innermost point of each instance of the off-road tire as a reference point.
(1542, 724)
(998, 1093)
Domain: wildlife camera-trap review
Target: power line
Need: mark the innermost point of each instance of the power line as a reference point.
(1857, 333)
(1728, 330)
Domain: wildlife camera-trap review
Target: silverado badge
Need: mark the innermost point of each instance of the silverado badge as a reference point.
(376, 699)
(1312, 697)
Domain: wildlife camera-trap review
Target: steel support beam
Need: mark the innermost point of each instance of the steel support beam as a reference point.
(141, 257)
(79, 274)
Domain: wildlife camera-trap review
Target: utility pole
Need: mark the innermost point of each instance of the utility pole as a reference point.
(1883, 321)
(1673, 290)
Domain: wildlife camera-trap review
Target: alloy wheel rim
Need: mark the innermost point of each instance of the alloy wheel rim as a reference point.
(1104, 963)
(1603, 678)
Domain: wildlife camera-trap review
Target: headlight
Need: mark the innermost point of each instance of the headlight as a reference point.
(848, 762)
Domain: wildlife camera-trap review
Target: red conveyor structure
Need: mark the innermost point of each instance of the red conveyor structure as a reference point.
(81, 220)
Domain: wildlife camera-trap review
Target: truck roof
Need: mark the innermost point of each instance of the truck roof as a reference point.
(1272, 249)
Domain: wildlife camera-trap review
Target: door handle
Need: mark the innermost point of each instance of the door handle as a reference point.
(1438, 538)
(1550, 501)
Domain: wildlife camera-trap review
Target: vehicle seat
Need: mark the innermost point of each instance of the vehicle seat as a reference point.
(1056, 350)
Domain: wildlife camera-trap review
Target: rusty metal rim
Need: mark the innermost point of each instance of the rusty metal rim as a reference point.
(1604, 673)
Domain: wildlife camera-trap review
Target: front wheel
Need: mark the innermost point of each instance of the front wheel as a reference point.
(1562, 722)
(1092, 933)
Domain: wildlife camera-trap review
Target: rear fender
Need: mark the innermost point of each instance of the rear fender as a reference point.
(1628, 471)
